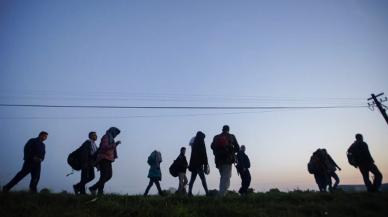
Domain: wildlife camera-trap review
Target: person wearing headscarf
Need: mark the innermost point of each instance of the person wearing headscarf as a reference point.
(106, 155)
(198, 161)
(154, 173)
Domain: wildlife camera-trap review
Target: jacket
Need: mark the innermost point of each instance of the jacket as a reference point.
(107, 150)
(86, 157)
(181, 163)
(198, 156)
(360, 151)
(243, 162)
(34, 148)
(154, 161)
(331, 164)
(225, 154)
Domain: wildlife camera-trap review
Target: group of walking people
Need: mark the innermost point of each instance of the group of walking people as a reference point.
(88, 156)
(226, 150)
(323, 167)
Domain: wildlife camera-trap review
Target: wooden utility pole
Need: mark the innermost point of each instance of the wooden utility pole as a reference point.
(378, 102)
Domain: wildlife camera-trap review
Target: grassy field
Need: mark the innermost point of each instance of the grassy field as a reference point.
(276, 204)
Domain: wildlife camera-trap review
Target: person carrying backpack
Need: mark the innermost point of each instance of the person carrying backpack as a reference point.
(154, 173)
(87, 159)
(198, 161)
(359, 156)
(34, 153)
(243, 165)
(331, 166)
(181, 167)
(106, 155)
(224, 147)
(318, 168)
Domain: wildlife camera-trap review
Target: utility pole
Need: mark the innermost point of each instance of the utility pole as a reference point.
(378, 102)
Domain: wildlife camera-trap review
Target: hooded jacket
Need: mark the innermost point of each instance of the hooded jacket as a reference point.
(154, 161)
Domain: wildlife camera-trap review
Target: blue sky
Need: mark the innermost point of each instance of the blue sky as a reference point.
(193, 53)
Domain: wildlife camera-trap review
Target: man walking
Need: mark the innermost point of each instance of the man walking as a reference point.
(359, 156)
(224, 147)
(87, 158)
(34, 152)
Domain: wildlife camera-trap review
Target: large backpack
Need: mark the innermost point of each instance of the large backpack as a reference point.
(351, 159)
(224, 149)
(74, 158)
(174, 169)
(313, 164)
(222, 142)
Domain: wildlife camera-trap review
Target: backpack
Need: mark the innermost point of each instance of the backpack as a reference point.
(222, 141)
(351, 159)
(312, 165)
(174, 169)
(74, 160)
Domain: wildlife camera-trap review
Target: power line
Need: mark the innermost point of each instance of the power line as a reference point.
(140, 116)
(181, 107)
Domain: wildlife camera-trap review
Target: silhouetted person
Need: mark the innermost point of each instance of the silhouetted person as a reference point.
(198, 161)
(106, 154)
(224, 148)
(181, 163)
(154, 174)
(364, 161)
(331, 168)
(34, 152)
(318, 167)
(87, 159)
(243, 165)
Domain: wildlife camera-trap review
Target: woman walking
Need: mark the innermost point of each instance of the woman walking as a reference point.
(154, 174)
(106, 154)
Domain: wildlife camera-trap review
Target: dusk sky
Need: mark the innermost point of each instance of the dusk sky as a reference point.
(296, 53)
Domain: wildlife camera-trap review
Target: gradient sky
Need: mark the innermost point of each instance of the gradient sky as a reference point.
(193, 53)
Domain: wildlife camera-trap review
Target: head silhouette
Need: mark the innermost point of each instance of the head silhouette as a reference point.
(113, 131)
(359, 137)
(93, 136)
(43, 136)
(242, 148)
(225, 129)
(183, 150)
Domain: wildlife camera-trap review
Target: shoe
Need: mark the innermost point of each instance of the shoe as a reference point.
(92, 191)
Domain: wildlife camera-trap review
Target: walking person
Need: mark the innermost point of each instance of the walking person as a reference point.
(243, 165)
(106, 155)
(224, 147)
(181, 167)
(359, 156)
(154, 173)
(331, 168)
(34, 153)
(318, 168)
(198, 161)
(87, 157)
